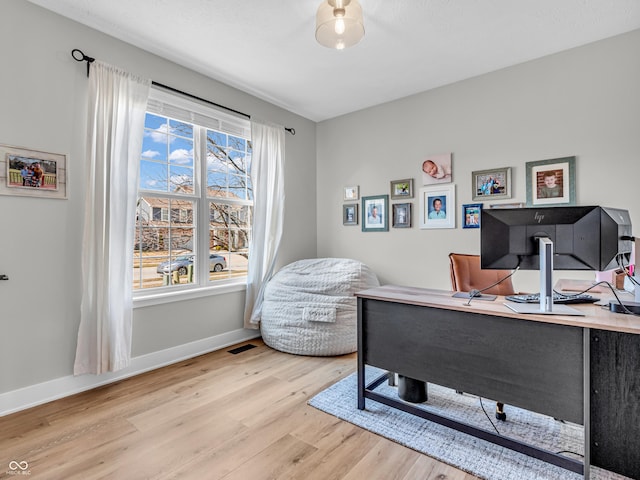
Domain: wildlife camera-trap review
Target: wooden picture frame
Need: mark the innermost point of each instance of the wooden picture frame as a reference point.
(438, 207)
(492, 184)
(32, 173)
(350, 214)
(375, 213)
(551, 182)
(401, 215)
(401, 189)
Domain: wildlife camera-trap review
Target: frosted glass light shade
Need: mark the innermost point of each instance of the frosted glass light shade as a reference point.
(339, 23)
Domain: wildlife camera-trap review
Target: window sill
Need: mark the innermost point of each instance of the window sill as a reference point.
(147, 300)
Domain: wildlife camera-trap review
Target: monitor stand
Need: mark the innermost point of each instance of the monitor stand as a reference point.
(535, 308)
(546, 305)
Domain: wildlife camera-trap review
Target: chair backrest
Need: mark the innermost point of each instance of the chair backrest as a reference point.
(467, 275)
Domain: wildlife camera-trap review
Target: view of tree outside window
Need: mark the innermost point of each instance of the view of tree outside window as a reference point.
(194, 195)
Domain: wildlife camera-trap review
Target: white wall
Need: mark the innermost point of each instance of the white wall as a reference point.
(583, 102)
(43, 107)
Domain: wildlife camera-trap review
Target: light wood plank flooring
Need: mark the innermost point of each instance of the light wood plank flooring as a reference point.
(217, 416)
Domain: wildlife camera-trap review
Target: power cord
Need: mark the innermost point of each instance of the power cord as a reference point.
(560, 452)
(625, 269)
(488, 417)
(613, 291)
(571, 453)
(477, 293)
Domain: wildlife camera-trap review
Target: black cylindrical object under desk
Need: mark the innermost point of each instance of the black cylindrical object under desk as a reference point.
(412, 390)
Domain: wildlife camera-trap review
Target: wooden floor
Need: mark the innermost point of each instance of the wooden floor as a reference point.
(217, 416)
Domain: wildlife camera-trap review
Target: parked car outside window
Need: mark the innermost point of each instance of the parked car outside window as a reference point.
(217, 263)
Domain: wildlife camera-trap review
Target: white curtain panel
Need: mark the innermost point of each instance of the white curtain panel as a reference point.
(115, 125)
(267, 177)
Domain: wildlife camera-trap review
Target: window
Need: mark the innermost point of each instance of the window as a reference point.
(195, 199)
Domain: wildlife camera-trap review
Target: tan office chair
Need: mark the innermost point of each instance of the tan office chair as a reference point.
(466, 275)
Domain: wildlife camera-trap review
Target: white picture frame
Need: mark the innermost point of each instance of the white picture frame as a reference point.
(32, 173)
(351, 192)
(438, 207)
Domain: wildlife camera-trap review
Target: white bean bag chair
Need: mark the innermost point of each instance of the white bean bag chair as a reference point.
(309, 307)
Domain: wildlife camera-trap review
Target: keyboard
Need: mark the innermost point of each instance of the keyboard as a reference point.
(557, 298)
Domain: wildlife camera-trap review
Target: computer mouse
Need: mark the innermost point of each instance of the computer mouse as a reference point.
(474, 293)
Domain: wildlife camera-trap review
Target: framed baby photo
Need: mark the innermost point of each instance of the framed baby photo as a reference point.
(491, 184)
(438, 207)
(551, 182)
(401, 215)
(350, 214)
(31, 173)
(351, 193)
(471, 215)
(402, 189)
(437, 169)
(375, 213)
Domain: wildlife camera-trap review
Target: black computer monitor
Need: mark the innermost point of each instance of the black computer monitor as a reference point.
(576, 238)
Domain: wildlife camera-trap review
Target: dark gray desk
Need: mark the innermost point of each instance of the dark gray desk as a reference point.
(582, 369)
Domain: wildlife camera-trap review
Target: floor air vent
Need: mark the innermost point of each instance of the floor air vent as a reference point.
(243, 348)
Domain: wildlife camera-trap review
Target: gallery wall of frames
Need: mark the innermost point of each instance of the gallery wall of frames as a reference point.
(549, 182)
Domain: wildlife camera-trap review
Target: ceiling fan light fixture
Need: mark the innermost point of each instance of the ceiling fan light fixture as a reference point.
(339, 23)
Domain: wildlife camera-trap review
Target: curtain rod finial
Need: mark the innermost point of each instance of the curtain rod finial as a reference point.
(83, 58)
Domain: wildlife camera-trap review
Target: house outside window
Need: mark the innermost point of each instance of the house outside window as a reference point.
(195, 199)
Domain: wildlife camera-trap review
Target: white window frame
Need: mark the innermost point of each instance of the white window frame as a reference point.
(181, 108)
(164, 214)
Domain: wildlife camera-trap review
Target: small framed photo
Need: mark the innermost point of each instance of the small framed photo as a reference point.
(351, 193)
(401, 215)
(437, 169)
(491, 184)
(471, 215)
(350, 214)
(438, 207)
(402, 189)
(375, 213)
(551, 182)
(32, 173)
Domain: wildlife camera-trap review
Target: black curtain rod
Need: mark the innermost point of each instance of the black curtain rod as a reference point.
(79, 56)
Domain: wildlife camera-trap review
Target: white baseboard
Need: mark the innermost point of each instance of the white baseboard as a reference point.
(44, 392)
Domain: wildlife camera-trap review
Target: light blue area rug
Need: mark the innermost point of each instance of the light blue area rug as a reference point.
(473, 455)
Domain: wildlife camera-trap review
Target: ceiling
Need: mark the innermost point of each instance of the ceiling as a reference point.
(267, 47)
